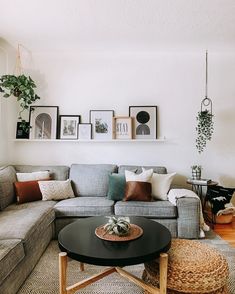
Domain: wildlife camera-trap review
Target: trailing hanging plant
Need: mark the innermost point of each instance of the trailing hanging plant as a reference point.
(22, 87)
(205, 129)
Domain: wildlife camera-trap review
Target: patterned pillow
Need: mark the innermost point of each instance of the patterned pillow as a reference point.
(56, 190)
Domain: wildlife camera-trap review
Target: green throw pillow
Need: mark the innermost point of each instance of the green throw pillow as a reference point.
(117, 184)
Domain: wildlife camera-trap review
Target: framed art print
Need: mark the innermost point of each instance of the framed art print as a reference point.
(84, 131)
(102, 124)
(69, 126)
(145, 121)
(122, 127)
(43, 122)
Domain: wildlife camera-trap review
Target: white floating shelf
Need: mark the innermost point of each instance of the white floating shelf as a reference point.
(91, 141)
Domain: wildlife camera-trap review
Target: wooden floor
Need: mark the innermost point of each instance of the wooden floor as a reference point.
(226, 232)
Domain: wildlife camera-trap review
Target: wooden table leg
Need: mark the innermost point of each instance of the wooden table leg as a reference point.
(81, 267)
(63, 262)
(163, 272)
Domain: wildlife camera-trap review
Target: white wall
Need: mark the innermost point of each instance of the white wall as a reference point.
(172, 80)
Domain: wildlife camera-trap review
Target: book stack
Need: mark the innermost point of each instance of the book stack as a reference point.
(199, 182)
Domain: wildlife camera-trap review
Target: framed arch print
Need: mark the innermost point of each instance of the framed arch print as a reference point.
(43, 122)
(145, 121)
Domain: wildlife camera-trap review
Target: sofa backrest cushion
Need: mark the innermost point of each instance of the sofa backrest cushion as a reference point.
(91, 179)
(138, 169)
(57, 172)
(7, 193)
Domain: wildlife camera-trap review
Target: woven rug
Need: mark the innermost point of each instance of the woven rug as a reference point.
(44, 278)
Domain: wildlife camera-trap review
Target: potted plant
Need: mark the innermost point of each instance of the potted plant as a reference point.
(21, 87)
(196, 172)
(205, 128)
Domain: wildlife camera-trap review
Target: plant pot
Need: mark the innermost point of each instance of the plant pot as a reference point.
(196, 174)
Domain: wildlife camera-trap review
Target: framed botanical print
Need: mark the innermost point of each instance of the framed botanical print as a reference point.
(43, 122)
(145, 121)
(102, 124)
(84, 131)
(69, 126)
(122, 127)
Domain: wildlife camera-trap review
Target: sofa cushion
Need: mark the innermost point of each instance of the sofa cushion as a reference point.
(84, 206)
(7, 194)
(18, 221)
(91, 179)
(156, 169)
(59, 172)
(11, 253)
(153, 209)
(27, 191)
(117, 184)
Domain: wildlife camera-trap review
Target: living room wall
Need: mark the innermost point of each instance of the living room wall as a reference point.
(174, 80)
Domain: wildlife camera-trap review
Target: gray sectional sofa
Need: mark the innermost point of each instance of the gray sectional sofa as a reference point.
(26, 229)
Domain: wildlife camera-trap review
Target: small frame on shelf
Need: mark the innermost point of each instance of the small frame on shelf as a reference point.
(43, 122)
(84, 131)
(102, 124)
(145, 121)
(122, 127)
(69, 127)
(20, 132)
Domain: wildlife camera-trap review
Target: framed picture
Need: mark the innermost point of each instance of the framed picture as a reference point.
(122, 126)
(102, 124)
(84, 131)
(69, 126)
(145, 121)
(43, 122)
(22, 133)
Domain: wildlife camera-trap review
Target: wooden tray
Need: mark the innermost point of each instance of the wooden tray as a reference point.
(135, 232)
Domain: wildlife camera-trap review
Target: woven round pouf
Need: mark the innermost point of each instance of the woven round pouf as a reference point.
(193, 267)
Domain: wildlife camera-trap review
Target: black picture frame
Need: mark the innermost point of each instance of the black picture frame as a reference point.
(43, 121)
(69, 126)
(20, 133)
(102, 124)
(145, 121)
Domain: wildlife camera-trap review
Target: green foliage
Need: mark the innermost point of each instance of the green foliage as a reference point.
(205, 129)
(22, 88)
(118, 226)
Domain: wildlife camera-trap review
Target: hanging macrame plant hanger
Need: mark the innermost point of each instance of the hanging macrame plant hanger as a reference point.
(206, 103)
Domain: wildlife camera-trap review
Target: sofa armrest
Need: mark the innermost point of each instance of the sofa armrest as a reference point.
(188, 218)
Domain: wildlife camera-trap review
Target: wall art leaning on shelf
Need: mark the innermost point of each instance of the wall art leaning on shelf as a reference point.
(43, 122)
(145, 121)
(102, 124)
(69, 126)
(84, 131)
(122, 127)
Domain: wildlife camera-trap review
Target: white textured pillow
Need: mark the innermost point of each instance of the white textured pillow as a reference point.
(145, 176)
(161, 185)
(56, 190)
(34, 176)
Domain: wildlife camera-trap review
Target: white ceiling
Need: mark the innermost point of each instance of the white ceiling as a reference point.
(119, 24)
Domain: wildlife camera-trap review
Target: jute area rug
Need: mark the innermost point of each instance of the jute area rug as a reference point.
(44, 278)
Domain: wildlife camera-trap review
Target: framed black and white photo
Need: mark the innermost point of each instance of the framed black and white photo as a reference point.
(69, 126)
(122, 127)
(102, 124)
(43, 122)
(84, 131)
(145, 121)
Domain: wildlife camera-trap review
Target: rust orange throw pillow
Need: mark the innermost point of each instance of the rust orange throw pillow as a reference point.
(27, 191)
(138, 191)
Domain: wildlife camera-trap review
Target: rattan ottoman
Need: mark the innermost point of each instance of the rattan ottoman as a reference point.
(193, 267)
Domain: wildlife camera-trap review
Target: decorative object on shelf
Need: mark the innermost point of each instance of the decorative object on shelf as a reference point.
(43, 122)
(122, 127)
(69, 126)
(102, 124)
(22, 87)
(145, 121)
(84, 131)
(205, 124)
(21, 132)
(196, 172)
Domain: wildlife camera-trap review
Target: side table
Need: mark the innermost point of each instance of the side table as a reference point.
(197, 188)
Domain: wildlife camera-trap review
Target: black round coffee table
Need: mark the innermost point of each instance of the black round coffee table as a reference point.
(79, 242)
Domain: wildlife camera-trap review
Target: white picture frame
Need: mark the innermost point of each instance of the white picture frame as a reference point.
(102, 124)
(122, 127)
(43, 122)
(144, 122)
(84, 131)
